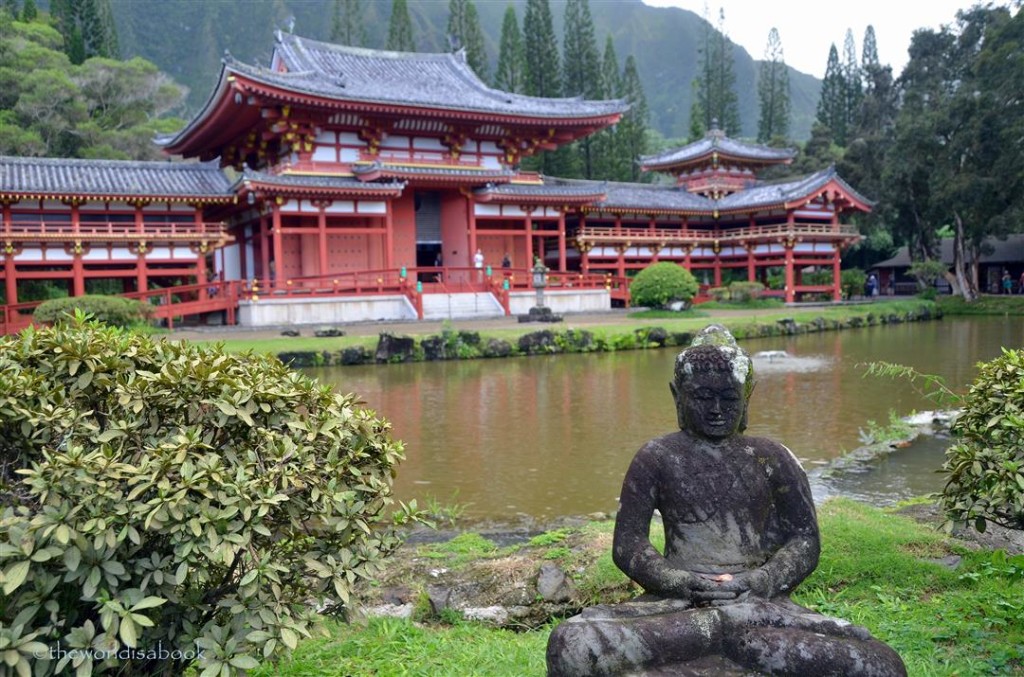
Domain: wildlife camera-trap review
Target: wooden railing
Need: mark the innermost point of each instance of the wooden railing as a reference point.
(670, 236)
(108, 230)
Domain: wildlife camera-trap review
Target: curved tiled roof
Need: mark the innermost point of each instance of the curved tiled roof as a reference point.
(407, 79)
(716, 141)
(112, 178)
(316, 181)
(551, 188)
(770, 194)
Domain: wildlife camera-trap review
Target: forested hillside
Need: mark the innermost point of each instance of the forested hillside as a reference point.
(187, 39)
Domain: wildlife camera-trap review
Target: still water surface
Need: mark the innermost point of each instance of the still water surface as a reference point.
(549, 436)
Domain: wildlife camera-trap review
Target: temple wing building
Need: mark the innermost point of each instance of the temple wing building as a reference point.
(343, 183)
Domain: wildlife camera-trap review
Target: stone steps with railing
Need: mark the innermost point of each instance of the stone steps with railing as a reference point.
(461, 305)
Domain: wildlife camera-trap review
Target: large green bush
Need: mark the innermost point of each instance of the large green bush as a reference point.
(985, 467)
(113, 310)
(160, 496)
(660, 283)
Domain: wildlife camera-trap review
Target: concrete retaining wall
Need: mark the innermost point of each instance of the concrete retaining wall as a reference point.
(271, 312)
(576, 301)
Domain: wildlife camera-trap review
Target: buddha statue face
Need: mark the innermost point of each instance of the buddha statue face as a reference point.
(711, 386)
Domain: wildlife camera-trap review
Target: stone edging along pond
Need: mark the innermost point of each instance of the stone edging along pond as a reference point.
(465, 345)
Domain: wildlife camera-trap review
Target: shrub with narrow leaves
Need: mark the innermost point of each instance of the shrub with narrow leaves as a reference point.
(113, 310)
(744, 292)
(160, 497)
(660, 283)
(985, 467)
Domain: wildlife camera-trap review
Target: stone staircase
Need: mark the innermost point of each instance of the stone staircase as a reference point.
(461, 306)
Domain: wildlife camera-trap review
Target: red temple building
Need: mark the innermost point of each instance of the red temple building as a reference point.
(343, 183)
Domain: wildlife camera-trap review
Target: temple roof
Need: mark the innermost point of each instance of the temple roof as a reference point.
(316, 183)
(716, 142)
(370, 171)
(648, 198)
(552, 190)
(112, 179)
(407, 79)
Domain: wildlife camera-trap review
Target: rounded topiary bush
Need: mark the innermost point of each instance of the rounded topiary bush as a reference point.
(158, 496)
(113, 310)
(661, 283)
(985, 467)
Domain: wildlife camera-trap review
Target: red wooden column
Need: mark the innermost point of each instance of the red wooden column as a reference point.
(562, 265)
(243, 253)
(621, 248)
(141, 271)
(751, 266)
(389, 235)
(77, 267)
(584, 248)
(529, 238)
(278, 272)
(264, 240)
(837, 289)
(471, 225)
(201, 250)
(790, 276)
(10, 269)
(321, 234)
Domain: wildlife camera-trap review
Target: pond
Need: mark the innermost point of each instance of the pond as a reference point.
(549, 436)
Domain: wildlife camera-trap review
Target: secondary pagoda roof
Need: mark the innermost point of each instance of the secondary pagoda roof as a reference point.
(551, 191)
(342, 79)
(301, 185)
(63, 178)
(716, 147)
(644, 198)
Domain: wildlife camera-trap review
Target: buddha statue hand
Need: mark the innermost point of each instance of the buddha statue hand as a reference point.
(743, 585)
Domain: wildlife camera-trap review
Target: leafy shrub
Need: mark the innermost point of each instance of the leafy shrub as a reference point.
(162, 494)
(113, 310)
(745, 292)
(985, 467)
(660, 283)
(719, 294)
(852, 281)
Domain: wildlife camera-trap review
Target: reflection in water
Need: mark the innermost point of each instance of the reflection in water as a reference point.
(552, 435)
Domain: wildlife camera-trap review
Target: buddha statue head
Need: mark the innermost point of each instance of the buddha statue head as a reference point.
(712, 384)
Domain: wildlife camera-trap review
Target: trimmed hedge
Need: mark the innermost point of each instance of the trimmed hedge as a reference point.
(661, 283)
(157, 494)
(115, 311)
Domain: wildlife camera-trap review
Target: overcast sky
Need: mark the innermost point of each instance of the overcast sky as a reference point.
(809, 27)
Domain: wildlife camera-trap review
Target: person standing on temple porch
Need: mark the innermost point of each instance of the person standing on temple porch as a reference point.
(506, 262)
(478, 263)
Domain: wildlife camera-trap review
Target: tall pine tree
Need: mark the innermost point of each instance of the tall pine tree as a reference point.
(464, 33)
(347, 23)
(773, 92)
(400, 28)
(610, 164)
(582, 69)
(511, 75)
(716, 100)
(543, 75)
(633, 128)
(853, 80)
(88, 28)
(542, 70)
(832, 104)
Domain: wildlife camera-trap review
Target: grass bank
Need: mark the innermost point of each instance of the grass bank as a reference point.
(989, 304)
(635, 331)
(877, 569)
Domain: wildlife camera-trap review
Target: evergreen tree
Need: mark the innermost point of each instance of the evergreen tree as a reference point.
(400, 28)
(88, 28)
(543, 77)
(29, 11)
(609, 162)
(633, 127)
(511, 75)
(347, 23)
(582, 69)
(853, 80)
(11, 7)
(773, 92)
(832, 104)
(716, 82)
(464, 33)
(869, 50)
(542, 69)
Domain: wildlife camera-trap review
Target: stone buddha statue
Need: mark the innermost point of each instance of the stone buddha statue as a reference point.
(740, 535)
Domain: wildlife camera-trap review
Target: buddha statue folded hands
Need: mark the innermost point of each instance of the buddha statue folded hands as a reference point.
(740, 534)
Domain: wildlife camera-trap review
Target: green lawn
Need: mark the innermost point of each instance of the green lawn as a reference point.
(873, 571)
